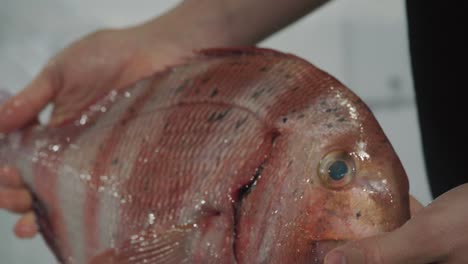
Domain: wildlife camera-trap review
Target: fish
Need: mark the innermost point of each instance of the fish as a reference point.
(236, 155)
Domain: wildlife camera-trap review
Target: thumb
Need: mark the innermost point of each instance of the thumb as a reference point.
(22, 108)
(407, 244)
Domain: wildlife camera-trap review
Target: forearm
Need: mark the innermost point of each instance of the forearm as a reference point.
(205, 23)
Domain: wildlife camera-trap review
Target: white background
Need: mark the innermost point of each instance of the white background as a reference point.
(361, 42)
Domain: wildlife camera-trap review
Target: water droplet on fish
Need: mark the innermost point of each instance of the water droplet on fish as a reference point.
(85, 177)
(101, 189)
(151, 218)
(112, 95)
(103, 109)
(127, 94)
(83, 120)
(226, 141)
(54, 148)
(275, 212)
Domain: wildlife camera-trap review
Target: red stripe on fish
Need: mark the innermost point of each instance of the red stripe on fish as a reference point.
(103, 159)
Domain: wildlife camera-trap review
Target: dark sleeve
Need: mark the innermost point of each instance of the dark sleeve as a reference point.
(438, 33)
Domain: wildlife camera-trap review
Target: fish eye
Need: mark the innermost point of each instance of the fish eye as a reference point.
(337, 169)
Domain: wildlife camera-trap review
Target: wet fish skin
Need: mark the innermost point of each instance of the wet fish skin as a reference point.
(216, 160)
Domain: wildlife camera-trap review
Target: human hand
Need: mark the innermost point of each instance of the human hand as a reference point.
(437, 233)
(82, 72)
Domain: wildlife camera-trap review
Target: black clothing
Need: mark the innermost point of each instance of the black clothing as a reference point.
(437, 35)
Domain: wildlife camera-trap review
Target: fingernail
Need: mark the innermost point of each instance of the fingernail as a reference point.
(335, 257)
(27, 230)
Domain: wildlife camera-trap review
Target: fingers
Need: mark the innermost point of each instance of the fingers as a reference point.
(26, 227)
(415, 205)
(15, 200)
(9, 177)
(409, 244)
(22, 108)
(14, 197)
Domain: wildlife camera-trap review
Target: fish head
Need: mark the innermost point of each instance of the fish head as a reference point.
(332, 177)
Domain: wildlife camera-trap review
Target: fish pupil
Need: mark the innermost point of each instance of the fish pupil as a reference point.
(338, 170)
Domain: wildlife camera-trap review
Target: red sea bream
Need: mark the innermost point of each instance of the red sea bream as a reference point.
(235, 156)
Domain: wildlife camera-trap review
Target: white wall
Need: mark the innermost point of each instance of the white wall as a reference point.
(361, 42)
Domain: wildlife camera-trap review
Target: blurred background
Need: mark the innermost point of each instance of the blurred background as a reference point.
(363, 43)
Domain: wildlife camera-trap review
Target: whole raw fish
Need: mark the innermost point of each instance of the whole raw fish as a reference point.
(236, 156)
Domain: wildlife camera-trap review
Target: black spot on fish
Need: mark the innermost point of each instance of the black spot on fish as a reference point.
(295, 88)
(131, 110)
(115, 161)
(257, 93)
(216, 116)
(358, 214)
(264, 69)
(300, 116)
(240, 122)
(214, 93)
(287, 76)
(341, 119)
(323, 102)
(285, 119)
(329, 125)
(181, 87)
(166, 125)
(290, 163)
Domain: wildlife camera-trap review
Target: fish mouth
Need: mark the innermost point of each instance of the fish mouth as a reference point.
(320, 248)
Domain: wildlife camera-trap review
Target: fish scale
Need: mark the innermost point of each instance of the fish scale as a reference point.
(215, 160)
